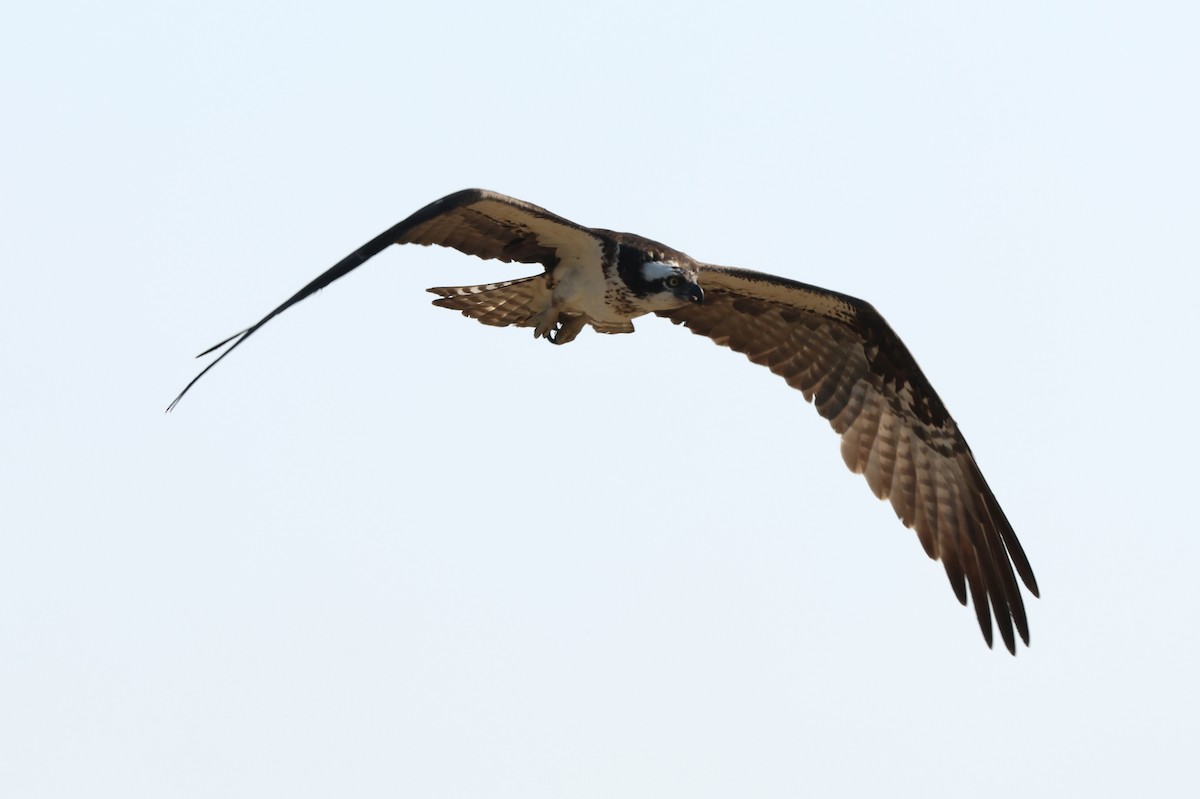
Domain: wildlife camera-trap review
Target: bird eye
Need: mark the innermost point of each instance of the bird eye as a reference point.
(673, 282)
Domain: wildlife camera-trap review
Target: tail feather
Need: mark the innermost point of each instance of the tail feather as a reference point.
(512, 302)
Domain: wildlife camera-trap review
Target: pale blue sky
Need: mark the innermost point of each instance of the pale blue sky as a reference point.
(383, 550)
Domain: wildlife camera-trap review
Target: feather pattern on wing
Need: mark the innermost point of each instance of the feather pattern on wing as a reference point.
(846, 360)
(474, 221)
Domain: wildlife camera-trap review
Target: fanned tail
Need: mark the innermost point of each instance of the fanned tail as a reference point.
(512, 302)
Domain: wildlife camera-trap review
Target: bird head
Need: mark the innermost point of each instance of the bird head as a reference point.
(662, 282)
(675, 282)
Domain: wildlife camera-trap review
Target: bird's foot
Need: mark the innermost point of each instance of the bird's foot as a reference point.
(545, 323)
(557, 328)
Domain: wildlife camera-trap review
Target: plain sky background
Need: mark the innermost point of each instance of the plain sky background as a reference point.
(383, 550)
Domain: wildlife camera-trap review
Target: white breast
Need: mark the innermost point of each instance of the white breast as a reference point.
(581, 287)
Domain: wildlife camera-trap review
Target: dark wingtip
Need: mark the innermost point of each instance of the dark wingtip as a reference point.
(236, 338)
(222, 343)
(338, 270)
(191, 383)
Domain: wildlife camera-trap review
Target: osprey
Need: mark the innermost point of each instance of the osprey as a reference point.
(837, 350)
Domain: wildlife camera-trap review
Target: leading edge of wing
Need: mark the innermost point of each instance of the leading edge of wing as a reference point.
(397, 234)
(773, 288)
(855, 314)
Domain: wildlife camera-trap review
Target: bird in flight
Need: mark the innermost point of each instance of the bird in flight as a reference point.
(837, 350)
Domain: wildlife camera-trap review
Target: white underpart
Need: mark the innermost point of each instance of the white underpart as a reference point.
(580, 288)
(658, 270)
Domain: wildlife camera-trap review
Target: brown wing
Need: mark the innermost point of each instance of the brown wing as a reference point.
(473, 221)
(895, 430)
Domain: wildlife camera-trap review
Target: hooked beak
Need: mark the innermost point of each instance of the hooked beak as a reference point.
(693, 293)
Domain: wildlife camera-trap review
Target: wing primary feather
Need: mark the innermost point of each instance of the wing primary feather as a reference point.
(221, 343)
(998, 593)
(955, 575)
(951, 551)
(1015, 551)
(979, 596)
(896, 432)
(472, 221)
(1002, 567)
(338, 270)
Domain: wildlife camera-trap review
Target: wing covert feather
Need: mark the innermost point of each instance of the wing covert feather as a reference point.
(846, 360)
(473, 221)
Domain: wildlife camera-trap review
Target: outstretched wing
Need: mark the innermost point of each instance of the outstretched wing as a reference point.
(473, 221)
(895, 430)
